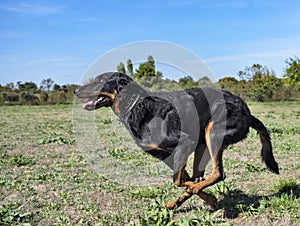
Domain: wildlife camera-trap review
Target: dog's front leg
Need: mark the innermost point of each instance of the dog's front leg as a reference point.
(179, 179)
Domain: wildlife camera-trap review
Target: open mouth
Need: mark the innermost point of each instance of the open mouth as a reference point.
(96, 102)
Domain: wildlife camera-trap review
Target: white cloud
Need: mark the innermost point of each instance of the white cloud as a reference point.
(30, 8)
(49, 60)
(283, 53)
(88, 19)
(10, 35)
(209, 3)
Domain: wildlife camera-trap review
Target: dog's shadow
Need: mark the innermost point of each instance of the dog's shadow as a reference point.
(236, 202)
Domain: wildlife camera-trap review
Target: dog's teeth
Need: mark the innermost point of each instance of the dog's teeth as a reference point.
(99, 100)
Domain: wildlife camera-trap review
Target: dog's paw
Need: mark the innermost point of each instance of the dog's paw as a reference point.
(189, 184)
(194, 187)
(195, 190)
(191, 187)
(170, 205)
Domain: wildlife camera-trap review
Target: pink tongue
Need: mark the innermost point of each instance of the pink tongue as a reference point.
(86, 104)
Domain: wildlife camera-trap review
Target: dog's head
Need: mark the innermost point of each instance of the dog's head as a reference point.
(103, 91)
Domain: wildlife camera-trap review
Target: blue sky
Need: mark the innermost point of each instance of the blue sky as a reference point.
(60, 39)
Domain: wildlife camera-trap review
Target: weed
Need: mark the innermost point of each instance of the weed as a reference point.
(296, 113)
(56, 140)
(156, 214)
(286, 186)
(124, 155)
(209, 219)
(147, 192)
(223, 188)
(17, 160)
(277, 129)
(119, 153)
(12, 214)
(254, 168)
(106, 121)
(285, 204)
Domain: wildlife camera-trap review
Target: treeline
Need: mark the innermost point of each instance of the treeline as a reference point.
(259, 83)
(255, 83)
(29, 93)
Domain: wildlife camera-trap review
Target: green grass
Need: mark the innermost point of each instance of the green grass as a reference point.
(47, 177)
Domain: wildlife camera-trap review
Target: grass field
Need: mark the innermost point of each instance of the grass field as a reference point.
(47, 177)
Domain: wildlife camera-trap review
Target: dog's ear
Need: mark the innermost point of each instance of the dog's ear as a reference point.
(122, 82)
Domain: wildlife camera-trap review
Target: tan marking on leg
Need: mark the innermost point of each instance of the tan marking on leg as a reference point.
(207, 134)
(196, 188)
(217, 165)
(178, 177)
(209, 199)
(215, 177)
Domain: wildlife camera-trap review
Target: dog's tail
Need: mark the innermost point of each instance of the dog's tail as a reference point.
(265, 139)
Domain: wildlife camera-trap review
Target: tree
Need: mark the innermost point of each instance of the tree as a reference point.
(129, 67)
(9, 87)
(146, 69)
(21, 86)
(56, 87)
(29, 87)
(62, 98)
(292, 72)
(254, 72)
(29, 99)
(204, 81)
(121, 68)
(46, 84)
(71, 88)
(18, 84)
(187, 82)
(151, 61)
(228, 82)
(159, 74)
(10, 97)
(261, 82)
(44, 96)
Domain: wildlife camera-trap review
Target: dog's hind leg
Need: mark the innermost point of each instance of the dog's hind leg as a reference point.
(201, 159)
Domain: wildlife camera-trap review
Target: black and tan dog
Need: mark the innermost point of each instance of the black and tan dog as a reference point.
(172, 125)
